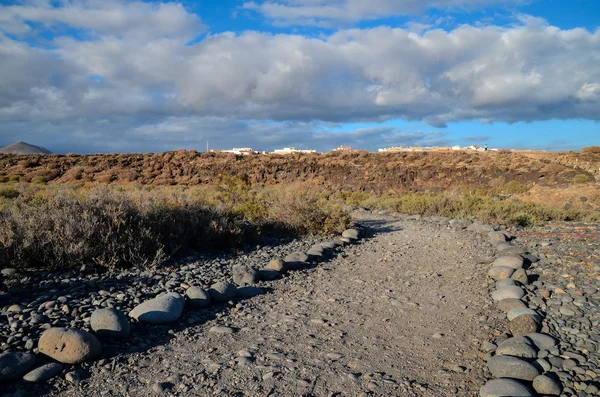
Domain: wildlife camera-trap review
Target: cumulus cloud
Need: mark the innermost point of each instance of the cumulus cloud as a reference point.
(325, 12)
(140, 77)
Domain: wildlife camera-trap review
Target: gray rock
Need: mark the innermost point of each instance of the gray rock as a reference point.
(516, 262)
(460, 223)
(328, 245)
(221, 329)
(245, 275)
(351, 234)
(522, 350)
(13, 365)
(249, 292)
(268, 274)
(110, 322)
(547, 385)
(497, 237)
(512, 367)
(507, 304)
(505, 388)
(500, 272)
(511, 292)
(509, 249)
(163, 309)
(43, 373)
(524, 325)
(506, 282)
(295, 260)
(519, 311)
(222, 292)
(198, 297)
(520, 275)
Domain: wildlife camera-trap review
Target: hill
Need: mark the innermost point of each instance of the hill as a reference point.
(24, 148)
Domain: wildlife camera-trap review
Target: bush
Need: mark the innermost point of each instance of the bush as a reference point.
(582, 178)
(591, 149)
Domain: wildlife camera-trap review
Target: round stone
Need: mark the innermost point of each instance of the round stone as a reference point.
(512, 292)
(13, 365)
(512, 367)
(222, 291)
(198, 297)
(503, 388)
(43, 373)
(500, 272)
(245, 275)
(520, 275)
(221, 329)
(542, 341)
(519, 311)
(506, 282)
(505, 305)
(351, 234)
(524, 325)
(515, 262)
(522, 350)
(547, 385)
(295, 260)
(69, 345)
(163, 309)
(497, 237)
(110, 322)
(277, 265)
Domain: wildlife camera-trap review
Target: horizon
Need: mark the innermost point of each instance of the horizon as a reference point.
(121, 76)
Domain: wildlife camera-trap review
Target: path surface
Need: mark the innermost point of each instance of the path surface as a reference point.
(368, 323)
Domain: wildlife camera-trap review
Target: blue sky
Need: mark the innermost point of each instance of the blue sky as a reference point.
(132, 76)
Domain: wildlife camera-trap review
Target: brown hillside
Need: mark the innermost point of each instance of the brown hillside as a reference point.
(357, 171)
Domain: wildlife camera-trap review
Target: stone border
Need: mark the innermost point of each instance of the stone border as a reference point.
(70, 346)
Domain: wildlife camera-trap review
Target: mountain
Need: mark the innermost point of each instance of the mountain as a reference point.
(24, 148)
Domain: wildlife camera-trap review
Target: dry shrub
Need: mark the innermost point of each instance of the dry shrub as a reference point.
(582, 178)
(591, 149)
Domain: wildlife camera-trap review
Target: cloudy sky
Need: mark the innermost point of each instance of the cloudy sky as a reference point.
(135, 76)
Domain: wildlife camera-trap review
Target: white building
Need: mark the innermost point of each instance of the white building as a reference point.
(290, 150)
(244, 151)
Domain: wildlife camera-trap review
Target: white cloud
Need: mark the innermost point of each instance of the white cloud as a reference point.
(323, 12)
(130, 75)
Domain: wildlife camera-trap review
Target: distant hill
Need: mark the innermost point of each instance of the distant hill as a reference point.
(24, 148)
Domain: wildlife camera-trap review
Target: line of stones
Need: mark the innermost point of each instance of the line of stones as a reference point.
(518, 364)
(73, 346)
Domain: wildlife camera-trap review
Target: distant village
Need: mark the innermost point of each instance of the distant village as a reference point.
(291, 150)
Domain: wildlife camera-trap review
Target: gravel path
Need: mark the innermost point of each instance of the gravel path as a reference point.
(396, 314)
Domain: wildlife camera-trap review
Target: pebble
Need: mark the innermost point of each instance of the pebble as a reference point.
(220, 329)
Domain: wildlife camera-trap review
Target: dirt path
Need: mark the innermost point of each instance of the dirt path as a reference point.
(397, 316)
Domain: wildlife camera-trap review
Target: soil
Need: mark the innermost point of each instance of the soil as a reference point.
(396, 314)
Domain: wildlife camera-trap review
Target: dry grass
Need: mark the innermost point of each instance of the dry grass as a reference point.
(65, 226)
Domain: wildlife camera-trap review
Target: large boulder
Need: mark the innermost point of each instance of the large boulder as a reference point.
(222, 291)
(504, 388)
(69, 345)
(198, 297)
(110, 323)
(245, 275)
(512, 367)
(163, 309)
(13, 365)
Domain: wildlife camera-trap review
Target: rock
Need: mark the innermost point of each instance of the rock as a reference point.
(500, 272)
(69, 345)
(547, 385)
(249, 292)
(497, 237)
(351, 234)
(519, 311)
(43, 373)
(163, 309)
(73, 377)
(277, 265)
(315, 251)
(296, 260)
(245, 275)
(511, 292)
(506, 282)
(9, 272)
(516, 262)
(509, 249)
(220, 329)
(460, 223)
(504, 388)
(110, 322)
(268, 274)
(13, 365)
(522, 350)
(198, 297)
(328, 245)
(512, 367)
(524, 325)
(542, 341)
(222, 292)
(506, 305)
(520, 275)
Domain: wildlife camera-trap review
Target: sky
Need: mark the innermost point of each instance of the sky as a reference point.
(102, 76)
